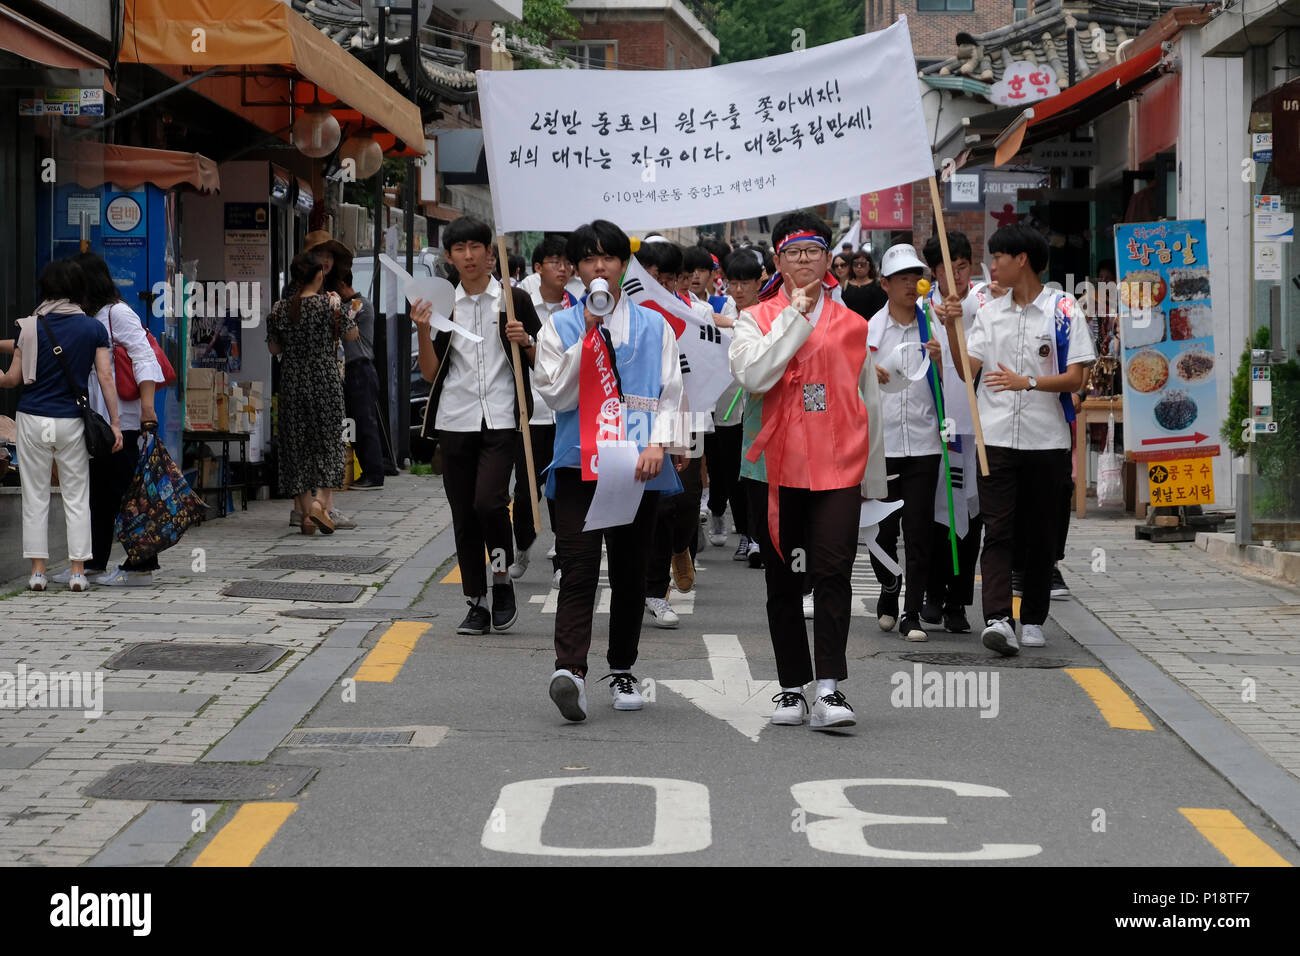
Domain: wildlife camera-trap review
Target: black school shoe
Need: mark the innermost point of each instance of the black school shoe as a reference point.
(504, 609)
(955, 622)
(931, 612)
(477, 621)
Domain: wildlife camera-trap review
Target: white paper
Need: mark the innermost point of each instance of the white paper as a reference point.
(1268, 261)
(618, 493)
(893, 364)
(1261, 392)
(1274, 226)
(875, 511)
(434, 289)
(559, 153)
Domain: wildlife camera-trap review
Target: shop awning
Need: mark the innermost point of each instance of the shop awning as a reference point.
(1075, 107)
(92, 164)
(32, 41)
(201, 34)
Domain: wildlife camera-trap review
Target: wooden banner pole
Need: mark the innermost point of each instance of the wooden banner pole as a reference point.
(507, 291)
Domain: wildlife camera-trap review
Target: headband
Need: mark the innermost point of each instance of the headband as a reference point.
(806, 235)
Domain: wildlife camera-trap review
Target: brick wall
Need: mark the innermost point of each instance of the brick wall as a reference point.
(641, 40)
(934, 33)
(969, 222)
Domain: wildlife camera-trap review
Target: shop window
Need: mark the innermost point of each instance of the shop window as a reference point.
(1021, 9)
(945, 6)
(592, 55)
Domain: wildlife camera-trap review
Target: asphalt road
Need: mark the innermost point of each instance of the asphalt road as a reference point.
(1031, 772)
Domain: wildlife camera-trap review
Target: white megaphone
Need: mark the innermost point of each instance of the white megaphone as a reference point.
(599, 299)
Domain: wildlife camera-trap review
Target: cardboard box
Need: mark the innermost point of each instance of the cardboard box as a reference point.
(200, 378)
(221, 417)
(200, 410)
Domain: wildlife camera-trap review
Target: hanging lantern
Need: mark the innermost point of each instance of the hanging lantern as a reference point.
(316, 132)
(366, 154)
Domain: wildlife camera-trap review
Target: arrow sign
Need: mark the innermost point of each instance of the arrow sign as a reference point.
(1197, 437)
(732, 695)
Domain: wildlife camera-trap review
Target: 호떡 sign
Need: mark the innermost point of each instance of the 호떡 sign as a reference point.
(658, 149)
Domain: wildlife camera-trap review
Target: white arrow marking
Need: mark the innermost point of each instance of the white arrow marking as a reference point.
(732, 695)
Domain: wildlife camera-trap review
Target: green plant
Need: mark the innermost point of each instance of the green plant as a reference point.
(1275, 458)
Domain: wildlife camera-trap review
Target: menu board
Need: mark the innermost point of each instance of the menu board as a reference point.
(1171, 408)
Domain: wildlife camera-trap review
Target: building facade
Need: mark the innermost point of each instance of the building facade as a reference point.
(639, 35)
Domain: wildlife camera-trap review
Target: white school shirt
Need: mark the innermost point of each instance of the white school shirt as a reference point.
(480, 385)
(129, 332)
(556, 372)
(1024, 340)
(911, 424)
(542, 414)
(956, 405)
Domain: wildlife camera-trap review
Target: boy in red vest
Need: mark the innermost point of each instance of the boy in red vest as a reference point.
(812, 448)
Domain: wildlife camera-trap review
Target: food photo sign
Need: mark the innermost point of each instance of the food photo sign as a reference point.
(1167, 344)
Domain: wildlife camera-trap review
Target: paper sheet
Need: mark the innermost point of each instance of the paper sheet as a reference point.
(874, 512)
(893, 364)
(433, 289)
(618, 493)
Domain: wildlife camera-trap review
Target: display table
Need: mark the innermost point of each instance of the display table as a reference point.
(1091, 411)
(225, 440)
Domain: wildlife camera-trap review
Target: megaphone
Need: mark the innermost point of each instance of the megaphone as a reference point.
(599, 299)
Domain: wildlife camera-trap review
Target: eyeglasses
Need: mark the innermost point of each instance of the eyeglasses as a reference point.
(803, 253)
(554, 262)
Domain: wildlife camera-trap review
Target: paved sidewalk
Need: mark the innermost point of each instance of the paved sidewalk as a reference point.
(1228, 635)
(47, 757)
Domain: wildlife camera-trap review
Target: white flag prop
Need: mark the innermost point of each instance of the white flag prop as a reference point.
(433, 289)
(657, 149)
(706, 370)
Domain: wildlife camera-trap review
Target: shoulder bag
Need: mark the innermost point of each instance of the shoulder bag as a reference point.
(124, 369)
(99, 434)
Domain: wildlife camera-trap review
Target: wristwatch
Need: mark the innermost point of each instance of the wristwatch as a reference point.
(1033, 382)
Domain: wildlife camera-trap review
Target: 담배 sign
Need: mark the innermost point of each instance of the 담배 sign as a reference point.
(658, 149)
(1167, 340)
(1188, 481)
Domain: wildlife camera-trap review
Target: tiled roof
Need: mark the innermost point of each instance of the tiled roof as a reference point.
(444, 75)
(1043, 39)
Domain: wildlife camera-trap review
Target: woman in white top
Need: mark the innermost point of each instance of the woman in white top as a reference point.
(111, 476)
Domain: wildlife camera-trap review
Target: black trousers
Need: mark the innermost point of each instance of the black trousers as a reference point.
(1021, 493)
(954, 592)
(543, 444)
(476, 477)
(722, 452)
(915, 484)
(819, 530)
(578, 552)
(360, 393)
(675, 528)
(109, 480)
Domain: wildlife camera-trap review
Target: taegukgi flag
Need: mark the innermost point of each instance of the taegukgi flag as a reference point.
(659, 149)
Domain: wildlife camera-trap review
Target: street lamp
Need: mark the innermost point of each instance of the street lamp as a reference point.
(366, 154)
(316, 132)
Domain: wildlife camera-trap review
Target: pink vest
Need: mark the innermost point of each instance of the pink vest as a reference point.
(814, 432)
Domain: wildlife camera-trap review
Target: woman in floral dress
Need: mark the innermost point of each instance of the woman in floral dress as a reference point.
(304, 329)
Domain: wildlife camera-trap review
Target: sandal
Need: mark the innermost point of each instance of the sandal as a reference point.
(308, 527)
(321, 518)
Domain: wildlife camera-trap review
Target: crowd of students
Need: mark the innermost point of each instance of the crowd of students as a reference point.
(830, 406)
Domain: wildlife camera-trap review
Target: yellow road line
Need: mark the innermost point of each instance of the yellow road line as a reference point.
(1015, 607)
(240, 841)
(1115, 705)
(387, 657)
(1232, 838)
(453, 576)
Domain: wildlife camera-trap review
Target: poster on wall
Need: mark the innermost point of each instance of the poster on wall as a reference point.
(1167, 341)
(215, 342)
(1001, 196)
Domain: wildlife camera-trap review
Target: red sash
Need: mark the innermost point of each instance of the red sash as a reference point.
(600, 409)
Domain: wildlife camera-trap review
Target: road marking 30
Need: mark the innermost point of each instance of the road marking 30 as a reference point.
(240, 841)
(387, 657)
(1115, 705)
(1232, 838)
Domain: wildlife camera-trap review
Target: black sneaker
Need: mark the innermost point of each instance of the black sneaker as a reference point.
(477, 621)
(887, 606)
(1059, 588)
(366, 484)
(931, 612)
(955, 622)
(504, 609)
(1017, 584)
(909, 627)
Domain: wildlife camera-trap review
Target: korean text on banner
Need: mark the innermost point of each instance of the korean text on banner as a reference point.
(1167, 335)
(658, 149)
(1188, 481)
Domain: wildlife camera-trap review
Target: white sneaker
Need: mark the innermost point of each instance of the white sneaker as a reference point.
(808, 606)
(120, 578)
(627, 696)
(664, 616)
(1000, 636)
(570, 694)
(717, 531)
(555, 578)
(832, 710)
(790, 709)
(60, 577)
(550, 553)
(1031, 635)
(37, 582)
(521, 564)
(78, 582)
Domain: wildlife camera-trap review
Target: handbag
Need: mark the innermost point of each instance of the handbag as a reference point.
(1110, 483)
(124, 369)
(159, 504)
(99, 434)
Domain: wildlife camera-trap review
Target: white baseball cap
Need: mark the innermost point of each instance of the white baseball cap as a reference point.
(900, 258)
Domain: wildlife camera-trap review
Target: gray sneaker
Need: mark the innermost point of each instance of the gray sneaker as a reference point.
(341, 521)
(121, 578)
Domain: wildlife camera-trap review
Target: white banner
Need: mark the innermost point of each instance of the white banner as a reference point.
(661, 149)
(706, 371)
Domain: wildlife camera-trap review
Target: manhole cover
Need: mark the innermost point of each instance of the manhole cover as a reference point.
(200, 782)
(328, 593)
(338, 563)
(183, 656)
(957, 659)
(357, 738)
